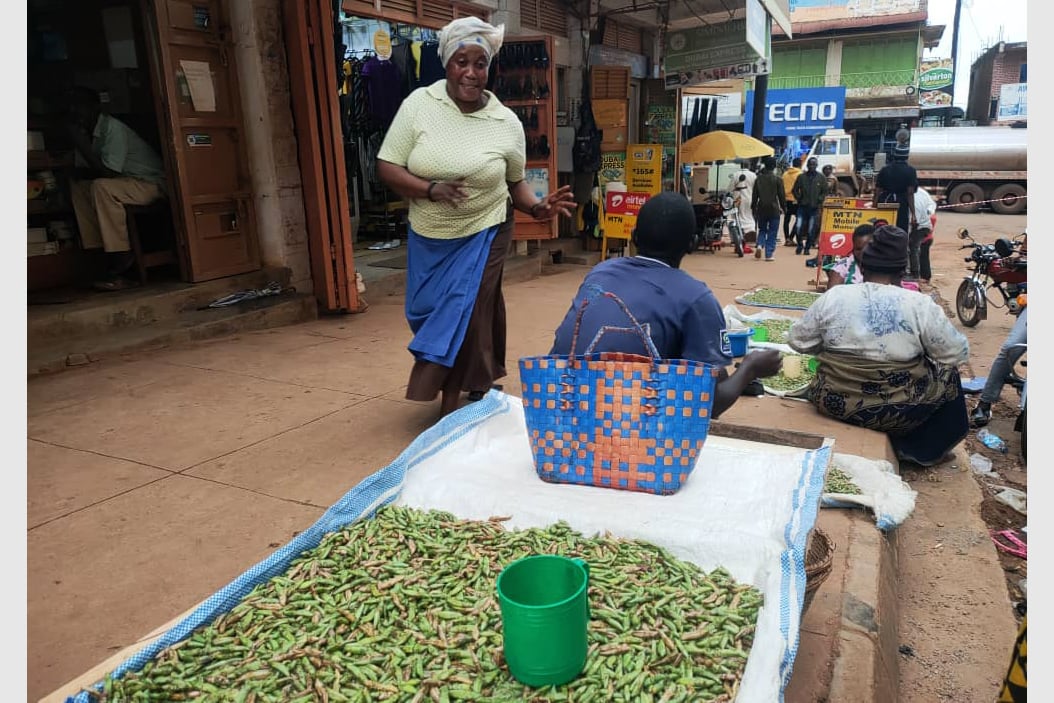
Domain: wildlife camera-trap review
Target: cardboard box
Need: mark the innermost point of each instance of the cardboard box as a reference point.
(614, 138)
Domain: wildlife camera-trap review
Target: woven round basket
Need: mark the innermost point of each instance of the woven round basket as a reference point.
(819, 557)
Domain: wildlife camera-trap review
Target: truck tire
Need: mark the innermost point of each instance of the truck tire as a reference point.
(1009, 199)
(845, 190)
(965, 197)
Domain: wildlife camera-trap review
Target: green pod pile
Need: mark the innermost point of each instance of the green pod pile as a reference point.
(778, 329)
(402, 607)
(839, 481)
(781, 297)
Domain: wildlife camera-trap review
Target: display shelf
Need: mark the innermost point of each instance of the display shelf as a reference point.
(524, 79)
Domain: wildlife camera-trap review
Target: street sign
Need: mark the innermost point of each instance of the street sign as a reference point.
(745, 69)
(706, 47)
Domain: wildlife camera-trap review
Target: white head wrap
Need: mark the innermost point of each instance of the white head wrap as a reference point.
(465, 31)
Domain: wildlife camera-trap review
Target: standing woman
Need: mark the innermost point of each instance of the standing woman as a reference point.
(458, 156)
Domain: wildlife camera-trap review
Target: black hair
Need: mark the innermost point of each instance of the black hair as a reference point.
(864, 230)
(769, 162)
(796, 163)
(665, 226)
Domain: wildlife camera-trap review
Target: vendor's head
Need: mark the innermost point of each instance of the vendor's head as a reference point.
(665, 225)
(83, 107)
(466, 47)
(886, 256)
(861, 236)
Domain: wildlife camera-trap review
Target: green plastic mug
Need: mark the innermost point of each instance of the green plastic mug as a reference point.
(544, 617)
(761, 334)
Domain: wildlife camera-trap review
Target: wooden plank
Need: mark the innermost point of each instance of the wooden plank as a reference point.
(802, 440)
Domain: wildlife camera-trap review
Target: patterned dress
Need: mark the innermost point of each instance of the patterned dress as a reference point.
(887, 361)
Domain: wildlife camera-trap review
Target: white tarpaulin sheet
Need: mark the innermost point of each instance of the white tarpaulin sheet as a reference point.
(747, 507)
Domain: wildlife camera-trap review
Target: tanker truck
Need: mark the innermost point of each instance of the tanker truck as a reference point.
(959, 166)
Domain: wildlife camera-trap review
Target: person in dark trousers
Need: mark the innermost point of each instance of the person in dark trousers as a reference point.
(767, 206)
(897, 182)
(681, 313)
(832, 191)
(809, 190)
(790, 204)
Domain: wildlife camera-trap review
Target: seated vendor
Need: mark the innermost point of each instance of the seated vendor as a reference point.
(887, 356)
(847, 268)
(680, 313)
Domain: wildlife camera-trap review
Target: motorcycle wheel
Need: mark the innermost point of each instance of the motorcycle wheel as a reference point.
(966, 304)
(737, 241)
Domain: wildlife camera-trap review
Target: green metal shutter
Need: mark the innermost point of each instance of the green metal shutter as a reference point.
(869, 63)
(798, 67)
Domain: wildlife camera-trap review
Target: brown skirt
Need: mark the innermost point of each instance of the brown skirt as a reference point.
(481, 359)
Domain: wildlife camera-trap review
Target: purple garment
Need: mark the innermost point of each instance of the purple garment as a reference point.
(384, 88)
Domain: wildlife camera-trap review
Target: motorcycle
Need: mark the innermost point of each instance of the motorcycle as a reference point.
(730, 212)
(994, 267)
(709, 224)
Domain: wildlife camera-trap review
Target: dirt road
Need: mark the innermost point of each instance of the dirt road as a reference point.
(956, 626)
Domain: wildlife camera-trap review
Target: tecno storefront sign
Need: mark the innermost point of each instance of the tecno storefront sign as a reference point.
(798, 111)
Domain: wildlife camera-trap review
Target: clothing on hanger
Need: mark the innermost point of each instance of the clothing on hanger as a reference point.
(431, 66)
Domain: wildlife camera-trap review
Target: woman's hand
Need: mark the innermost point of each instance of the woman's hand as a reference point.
(561, 202)
(761, 363)
(452, 192)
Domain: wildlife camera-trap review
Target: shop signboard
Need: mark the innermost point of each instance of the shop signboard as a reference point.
(620, 212)
(745, 69)
(936, 83)
(843, 215)
(1013, 102)
(644, 168)
(797, 111)
(853, 12)
(612, 168)
(708, 47)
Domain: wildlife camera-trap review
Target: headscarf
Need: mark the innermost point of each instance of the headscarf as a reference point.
(466, 31)
(887, 252)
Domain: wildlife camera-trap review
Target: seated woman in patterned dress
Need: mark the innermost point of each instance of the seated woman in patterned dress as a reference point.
(887, 356)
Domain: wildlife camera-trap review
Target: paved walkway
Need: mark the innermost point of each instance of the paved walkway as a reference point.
(154, 480)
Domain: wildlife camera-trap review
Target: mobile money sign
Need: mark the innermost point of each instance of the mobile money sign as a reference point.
(644, 168)
(843, 215)
(620, 212)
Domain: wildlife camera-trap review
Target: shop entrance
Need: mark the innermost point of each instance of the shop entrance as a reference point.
(164, 72)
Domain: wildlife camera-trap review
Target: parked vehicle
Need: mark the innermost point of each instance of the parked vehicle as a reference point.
(959, 166)
(709, 223)
(730, 209)
(993, 267)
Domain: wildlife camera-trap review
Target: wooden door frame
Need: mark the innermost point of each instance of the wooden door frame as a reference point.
(310, 51)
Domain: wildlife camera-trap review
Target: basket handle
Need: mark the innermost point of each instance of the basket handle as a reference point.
(596, 292)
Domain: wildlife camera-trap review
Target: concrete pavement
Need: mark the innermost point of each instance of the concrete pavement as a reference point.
(155, 479)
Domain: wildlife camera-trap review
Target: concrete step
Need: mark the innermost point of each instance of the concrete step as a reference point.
(274, 311)
(86, 314)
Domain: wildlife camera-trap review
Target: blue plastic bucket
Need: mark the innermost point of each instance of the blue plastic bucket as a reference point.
(738, 341)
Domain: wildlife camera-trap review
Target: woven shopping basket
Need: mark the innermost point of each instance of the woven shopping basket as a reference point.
(616, 420)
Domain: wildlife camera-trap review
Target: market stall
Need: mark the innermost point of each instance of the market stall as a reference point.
(737, 528)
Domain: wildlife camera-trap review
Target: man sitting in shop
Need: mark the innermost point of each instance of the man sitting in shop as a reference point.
(680, 313)
(116, 168)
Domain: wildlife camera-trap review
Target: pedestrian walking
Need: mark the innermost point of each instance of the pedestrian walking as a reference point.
(790, 204)
(743, 191)
(458, 155)
(767, 206)
(809, 190)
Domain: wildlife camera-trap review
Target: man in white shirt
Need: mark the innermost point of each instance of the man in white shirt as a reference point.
(117, 168)
(921, 231)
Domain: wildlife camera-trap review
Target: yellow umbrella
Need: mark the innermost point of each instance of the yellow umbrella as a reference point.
(723, 146)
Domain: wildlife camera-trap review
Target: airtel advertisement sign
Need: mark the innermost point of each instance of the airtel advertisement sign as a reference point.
(798, 111)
